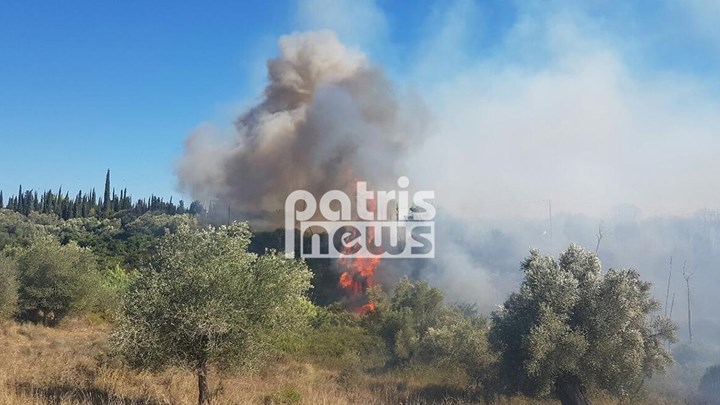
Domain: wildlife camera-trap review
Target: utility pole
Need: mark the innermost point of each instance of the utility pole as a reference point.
(687, 283)
(672, 305)
(667, 293)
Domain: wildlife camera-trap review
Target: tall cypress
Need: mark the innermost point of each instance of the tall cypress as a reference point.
(92, 207)
(1, 200)
(106, 196)
(34, 203)
(19, 204)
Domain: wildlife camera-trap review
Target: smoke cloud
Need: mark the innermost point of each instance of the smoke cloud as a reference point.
(328, 117)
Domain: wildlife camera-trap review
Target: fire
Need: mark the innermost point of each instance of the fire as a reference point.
(369, 307)
(346, 280)
(359, 274)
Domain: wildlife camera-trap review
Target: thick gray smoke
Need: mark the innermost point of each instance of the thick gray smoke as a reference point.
(328, 117)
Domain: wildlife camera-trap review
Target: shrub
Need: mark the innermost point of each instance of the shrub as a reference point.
(8, 287)
(337, 339)
(115, 284)
(57, 280)
(403, 319)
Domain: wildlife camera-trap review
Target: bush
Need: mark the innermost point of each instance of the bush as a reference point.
(336, 339)
(8, 287)
(404, 319)
(57, 280)
(420, 331)
(460, 340)
(115, 283)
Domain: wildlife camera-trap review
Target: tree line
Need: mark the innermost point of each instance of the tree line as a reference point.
(90, 204)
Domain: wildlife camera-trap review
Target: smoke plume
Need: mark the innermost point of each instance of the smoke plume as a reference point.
(328, 117)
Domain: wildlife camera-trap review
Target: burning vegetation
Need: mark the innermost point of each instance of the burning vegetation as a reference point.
(358, 274)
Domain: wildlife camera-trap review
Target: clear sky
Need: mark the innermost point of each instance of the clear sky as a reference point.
(88, 85)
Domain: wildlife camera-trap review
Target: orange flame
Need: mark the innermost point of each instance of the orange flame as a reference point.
(359, 274)
(365, 309)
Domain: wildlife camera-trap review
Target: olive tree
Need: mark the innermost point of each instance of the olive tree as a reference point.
(56, 280)
(207, 301)
(571, 328)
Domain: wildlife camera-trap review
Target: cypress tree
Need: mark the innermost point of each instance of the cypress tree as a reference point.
(45, 202)
(34, 203)
(1, 200)
(20, 203)
(127, 201)
(92, 204)
(115, 201)
(106, 196)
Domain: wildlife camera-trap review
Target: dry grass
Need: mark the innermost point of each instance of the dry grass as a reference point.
(65, 366)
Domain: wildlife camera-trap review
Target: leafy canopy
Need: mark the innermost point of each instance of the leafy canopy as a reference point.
(57, 278)
(571, 322)
(418, 328)
(206, 300)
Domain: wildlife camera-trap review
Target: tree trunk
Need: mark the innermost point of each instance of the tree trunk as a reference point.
(203, 391)
(570, 392)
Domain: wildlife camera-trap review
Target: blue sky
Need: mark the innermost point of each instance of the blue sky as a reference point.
(87, 86)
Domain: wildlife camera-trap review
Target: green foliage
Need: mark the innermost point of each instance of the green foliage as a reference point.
(336, 339)
(115, 284)
(57, 279)
(159, 225)
(8, 287)
(569, 323)
(115, 242)
(205, 299)
(102, 235)
(404, 318)
(141, 235)
(459, 339)
(17, 230)
(419, 329)
(118, 280)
